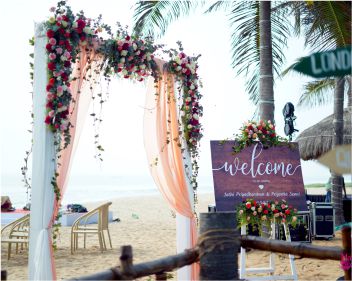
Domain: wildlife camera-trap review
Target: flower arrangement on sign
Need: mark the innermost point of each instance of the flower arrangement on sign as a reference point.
(262, 131)
(252, 212)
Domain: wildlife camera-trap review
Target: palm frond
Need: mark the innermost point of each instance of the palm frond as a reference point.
(289, 69)
(245, 40)
(316, 93)
(218, 5)
(327, 24)
(152, 18)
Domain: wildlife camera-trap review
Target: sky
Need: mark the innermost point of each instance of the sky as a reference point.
(225, 102)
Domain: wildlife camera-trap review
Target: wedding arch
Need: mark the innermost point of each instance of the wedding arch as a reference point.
(70, 57)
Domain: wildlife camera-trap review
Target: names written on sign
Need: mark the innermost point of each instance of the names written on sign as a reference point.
(254, 168)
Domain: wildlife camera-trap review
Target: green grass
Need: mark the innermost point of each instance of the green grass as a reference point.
(313, 185)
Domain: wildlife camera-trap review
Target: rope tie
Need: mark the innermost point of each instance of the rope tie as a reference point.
(217, 239)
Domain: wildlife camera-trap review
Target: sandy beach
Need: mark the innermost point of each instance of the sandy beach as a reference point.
(148, 225)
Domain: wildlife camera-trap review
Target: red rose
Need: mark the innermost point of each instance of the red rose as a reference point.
(119, 69)
(62, 42)
(269, 205)
(81, 24)
(62, 31)
(83, 37)
(65, 18)
(50, 33)
(265, 212)
(254, 203)
(49, 105)
(48, 87)
(48, 47)
(287, 212)
(126, 76)
(248, 205)
(51, 81)
(51, 66)
(275, 211)
(67, 63)
(47, 119)
(56, 126)
(127, 38)
(67, 35)
(59, 104)
(125, 46)
(64, 77)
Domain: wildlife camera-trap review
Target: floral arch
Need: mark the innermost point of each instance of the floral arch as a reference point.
(70, 57)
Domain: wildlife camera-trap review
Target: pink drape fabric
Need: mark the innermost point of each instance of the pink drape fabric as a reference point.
(162, 145)
(81, 94)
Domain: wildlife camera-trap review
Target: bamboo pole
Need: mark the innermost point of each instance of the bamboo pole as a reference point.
(294, 248)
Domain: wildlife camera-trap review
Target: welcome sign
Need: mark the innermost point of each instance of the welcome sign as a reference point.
(258, 173)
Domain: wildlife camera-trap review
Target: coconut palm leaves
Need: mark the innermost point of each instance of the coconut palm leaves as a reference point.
(153, 18)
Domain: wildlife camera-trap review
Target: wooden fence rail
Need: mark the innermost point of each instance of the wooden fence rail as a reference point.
(218, 234)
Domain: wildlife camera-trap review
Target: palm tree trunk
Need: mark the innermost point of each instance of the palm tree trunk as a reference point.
(337, 180)
(266, 88)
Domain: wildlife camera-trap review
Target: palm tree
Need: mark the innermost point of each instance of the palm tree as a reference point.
(259, 33)
(327, 25)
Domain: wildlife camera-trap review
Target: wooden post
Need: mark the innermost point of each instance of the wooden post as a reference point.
(3, 275)
(218, 246)
(346, 246)
(126, 260)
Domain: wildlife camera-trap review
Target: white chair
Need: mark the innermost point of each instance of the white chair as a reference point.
(80, 226)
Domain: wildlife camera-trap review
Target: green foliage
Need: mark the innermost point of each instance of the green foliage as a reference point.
(152, 18)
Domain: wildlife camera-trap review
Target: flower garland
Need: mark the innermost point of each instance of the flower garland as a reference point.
(279, 211)
(262, 131)
(185, 69)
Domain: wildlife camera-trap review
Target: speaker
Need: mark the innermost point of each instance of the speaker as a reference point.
(323, 220)
(347, 209)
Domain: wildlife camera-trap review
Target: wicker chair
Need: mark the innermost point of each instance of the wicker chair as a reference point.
(17, 233)
(80, 226)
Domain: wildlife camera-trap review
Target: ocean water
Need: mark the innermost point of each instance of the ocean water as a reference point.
(83, 189)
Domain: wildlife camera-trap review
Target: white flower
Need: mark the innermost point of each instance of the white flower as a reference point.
(52, 20)
(124, 53)
(253, 208)
(75, 25)
(134, 45)
(87, 30)
(189, 126)
(142, 66)
(64, 23)
(192, 87)
(241, 212)
(195, 116)
(178, 60)
(124, 72)
(178, 68)
(122, 60)
(188, 99)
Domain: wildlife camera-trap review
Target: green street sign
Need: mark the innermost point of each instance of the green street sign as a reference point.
(332, 63)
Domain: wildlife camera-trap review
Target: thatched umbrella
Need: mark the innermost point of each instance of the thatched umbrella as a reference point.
(317, 139)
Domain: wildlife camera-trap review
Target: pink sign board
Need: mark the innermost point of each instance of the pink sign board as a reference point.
(263, 174)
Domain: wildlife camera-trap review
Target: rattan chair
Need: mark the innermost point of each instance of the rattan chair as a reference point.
(81, 226)
(17, 233)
